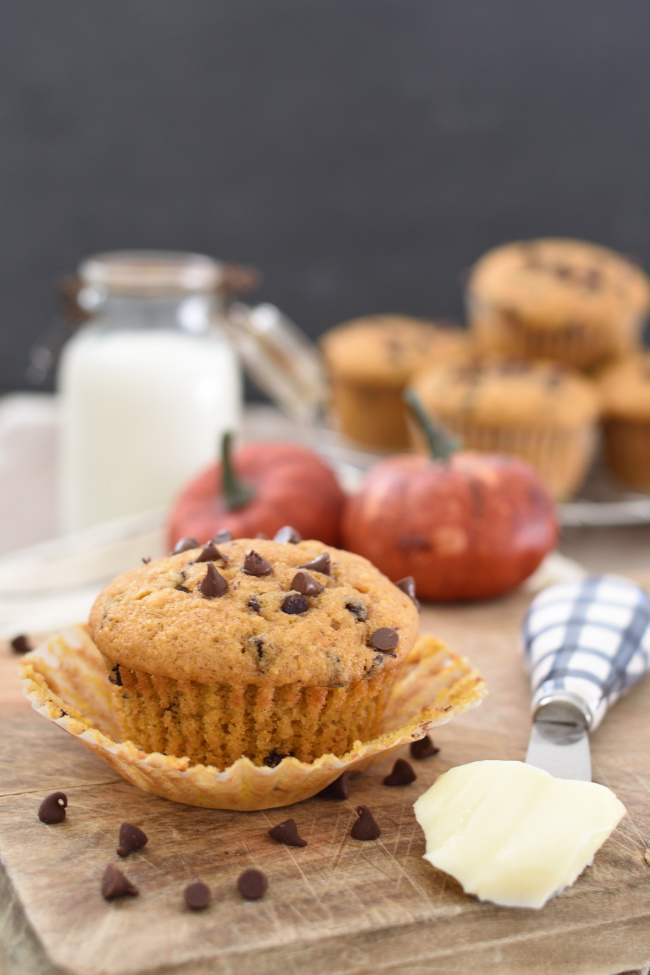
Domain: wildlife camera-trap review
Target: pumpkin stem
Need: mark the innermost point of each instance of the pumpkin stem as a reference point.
(236, 493)
(440, 442)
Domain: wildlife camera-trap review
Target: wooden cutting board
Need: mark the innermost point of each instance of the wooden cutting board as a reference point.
(336, 906)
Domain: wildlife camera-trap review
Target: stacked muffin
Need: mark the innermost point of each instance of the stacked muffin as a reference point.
(546, 316)
(370, 361)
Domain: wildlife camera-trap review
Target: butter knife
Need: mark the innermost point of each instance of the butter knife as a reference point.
(585, 643)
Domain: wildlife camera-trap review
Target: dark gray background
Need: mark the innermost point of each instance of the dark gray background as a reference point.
(361, 152)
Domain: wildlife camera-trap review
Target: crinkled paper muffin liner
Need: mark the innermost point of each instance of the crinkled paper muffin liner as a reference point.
(65, 680)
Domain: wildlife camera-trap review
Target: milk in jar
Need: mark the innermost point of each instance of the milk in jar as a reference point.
(147, 387)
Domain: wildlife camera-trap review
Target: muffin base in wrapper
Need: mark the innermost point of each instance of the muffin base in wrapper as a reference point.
(582, 345)
(65, 680)
(627, 451)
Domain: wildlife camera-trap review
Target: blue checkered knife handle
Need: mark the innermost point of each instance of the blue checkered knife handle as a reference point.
(587, 642)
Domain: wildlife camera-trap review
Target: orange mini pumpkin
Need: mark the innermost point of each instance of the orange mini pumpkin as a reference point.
(465, 526)
(262, 488)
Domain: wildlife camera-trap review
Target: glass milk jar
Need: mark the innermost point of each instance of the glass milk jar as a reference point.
(147, 386)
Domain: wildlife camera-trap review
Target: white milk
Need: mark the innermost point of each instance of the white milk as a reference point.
(142, 411)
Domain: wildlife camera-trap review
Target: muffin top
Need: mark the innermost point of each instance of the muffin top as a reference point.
(511, 392)
(625, 389)
(388, 349)
(245, 612)
(555, 282)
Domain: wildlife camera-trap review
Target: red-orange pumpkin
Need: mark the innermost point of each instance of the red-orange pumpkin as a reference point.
(471, 526)
(266, 486)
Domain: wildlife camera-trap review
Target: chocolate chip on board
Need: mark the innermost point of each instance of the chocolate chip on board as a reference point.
(402, 774)
(385, 640)
(423, 748)
(52, 809)
(115, 884)
(213, 584)
(21, 644)
(365, 828)
(146, 559)
(197, 895)
(210, 553)
(407, 585)
(132, 838)
(338, 789)
(256, 565)
(184, 545)
(304, 583)
(252, 884)
(321, 563)
(287, 534)
(224, 535)
(295, 603)
(287, 833)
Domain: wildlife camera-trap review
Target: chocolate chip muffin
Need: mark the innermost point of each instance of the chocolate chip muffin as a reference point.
(625, 392)
(253, 648)
(540, 412)
(371, 360)
(564, 300)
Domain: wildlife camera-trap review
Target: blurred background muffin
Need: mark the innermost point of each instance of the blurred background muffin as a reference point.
(535, 410)
(371, 360)
(625, 393)
(560, 299)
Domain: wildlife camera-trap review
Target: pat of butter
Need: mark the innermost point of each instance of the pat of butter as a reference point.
(511, 833)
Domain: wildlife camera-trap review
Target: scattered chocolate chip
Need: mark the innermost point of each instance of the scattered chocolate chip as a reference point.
(320, 564)
(256, 565)
(306, 584)
(259, 646)
(252, 884)
(287, 534)
(197, 894)
(21, 644)
(210, 553)
(214, 583)
(365, 827)
(360, 610)
(407, 585)
(254, 604)
(222, 536)
(287, 833)
(146, 559)
(184, 545)
(273, 759)
(295, 603)
(385, 640)
(52, 809)
(262, 535)
(182, 589)
(402, 774)
(114, 676)
(423, 748)
(338, 789)
(115, 884)
(132, 838)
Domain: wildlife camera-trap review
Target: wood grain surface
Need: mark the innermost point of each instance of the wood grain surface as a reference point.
(335, 906)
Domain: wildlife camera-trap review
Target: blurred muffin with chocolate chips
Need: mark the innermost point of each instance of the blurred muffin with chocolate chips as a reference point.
(560, 299)
(371, 360)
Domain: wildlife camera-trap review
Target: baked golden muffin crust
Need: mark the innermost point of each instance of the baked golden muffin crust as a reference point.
(371, 360)
(625, 394)
(559, 299)
(234, 650)
(538, 411)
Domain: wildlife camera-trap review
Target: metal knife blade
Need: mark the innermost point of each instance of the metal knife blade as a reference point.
(559, 741)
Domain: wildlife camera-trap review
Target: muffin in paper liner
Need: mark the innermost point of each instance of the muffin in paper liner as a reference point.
(65, 680)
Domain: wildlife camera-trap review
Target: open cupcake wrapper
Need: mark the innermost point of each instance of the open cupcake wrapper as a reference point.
(65, 680)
